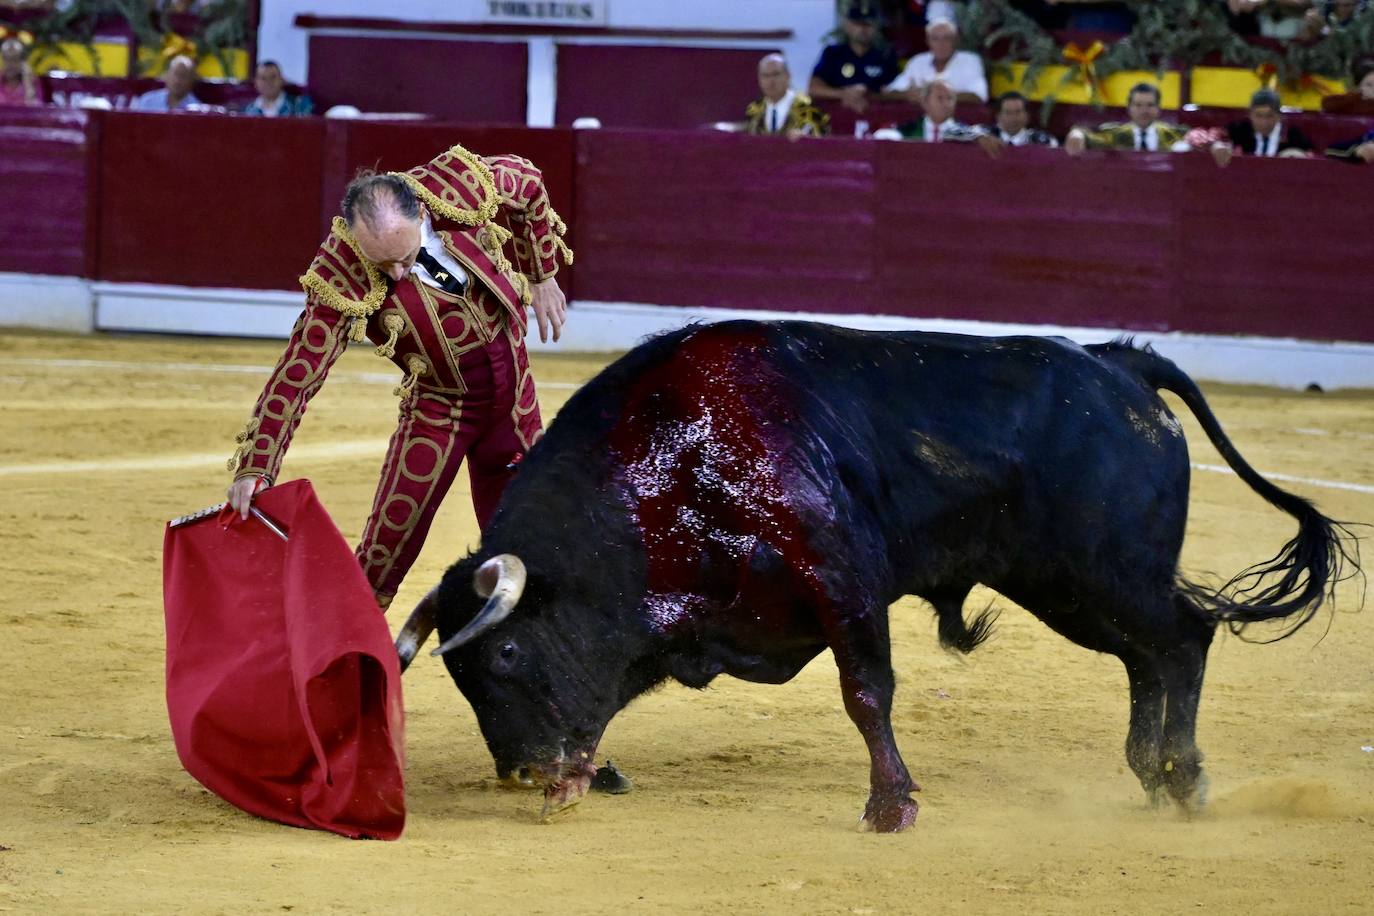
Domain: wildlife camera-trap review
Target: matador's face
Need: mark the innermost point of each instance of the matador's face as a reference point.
(391, 241)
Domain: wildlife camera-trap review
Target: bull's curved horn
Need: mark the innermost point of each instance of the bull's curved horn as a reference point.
(417, 628)
(501, 580)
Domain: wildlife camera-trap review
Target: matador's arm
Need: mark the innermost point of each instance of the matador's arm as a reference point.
(538, 230)
(319, 336)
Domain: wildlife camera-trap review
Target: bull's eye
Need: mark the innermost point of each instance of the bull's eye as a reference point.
(503, 660)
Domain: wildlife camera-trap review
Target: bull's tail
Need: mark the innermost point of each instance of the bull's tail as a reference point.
(1302, 576)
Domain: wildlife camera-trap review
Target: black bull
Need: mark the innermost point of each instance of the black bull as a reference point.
(736, 498)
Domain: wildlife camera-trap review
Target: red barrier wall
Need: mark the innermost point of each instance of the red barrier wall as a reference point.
(208, 201)
(1153, 242)
(1145, 241)
(43, 191)
(726, 221)
(479, 81)
(631, 85)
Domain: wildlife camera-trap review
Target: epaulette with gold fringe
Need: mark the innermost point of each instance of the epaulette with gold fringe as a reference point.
(344, 280)
(456, 185)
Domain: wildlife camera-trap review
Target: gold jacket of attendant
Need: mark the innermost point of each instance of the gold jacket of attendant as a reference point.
(466, 389)
(802, 116)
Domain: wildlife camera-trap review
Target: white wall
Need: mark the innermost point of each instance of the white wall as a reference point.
(810, 20)
(70, 304)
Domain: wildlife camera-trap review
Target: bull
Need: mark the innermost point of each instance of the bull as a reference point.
(737, 498)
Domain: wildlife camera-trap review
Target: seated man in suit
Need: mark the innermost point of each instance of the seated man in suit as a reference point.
(781, 109)
(938, 125)
(1012, 123)
(1263, 133)
(1144, 131)
(1359, 151)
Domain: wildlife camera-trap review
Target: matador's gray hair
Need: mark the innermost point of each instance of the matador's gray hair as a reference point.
(370, 194)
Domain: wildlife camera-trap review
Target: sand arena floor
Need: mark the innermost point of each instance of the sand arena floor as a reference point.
(748, 795)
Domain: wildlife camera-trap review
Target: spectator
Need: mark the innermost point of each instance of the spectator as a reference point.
(1281, 19)
(962, 70)
(1359, 151)
(1012, 123)
(273, 101)
(18, 84)
(938, 125)
(1330, 16)
(1341, 13)
(852, 69)
(781, 109)
(1360, 100)
(1263, 133)
(1143, 132)
(1095, 16)
(176, 95)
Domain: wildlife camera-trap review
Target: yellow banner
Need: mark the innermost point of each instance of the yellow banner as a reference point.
(1231, 87)
(208, 67)
(1075, 92)
(110, 59)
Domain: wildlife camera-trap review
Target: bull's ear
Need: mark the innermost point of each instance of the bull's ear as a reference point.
(500, 580)
(489, 574)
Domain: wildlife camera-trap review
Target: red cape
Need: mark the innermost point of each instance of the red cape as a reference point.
(283, 685)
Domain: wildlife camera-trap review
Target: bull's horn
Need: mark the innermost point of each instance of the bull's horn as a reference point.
(501, 580)
(417, 628)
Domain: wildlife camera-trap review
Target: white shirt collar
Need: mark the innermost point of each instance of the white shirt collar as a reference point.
(782, 106)
(432, 243)
(1271, 140)
(1151, 135)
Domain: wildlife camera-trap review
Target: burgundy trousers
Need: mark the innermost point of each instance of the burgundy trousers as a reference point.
(491, 425)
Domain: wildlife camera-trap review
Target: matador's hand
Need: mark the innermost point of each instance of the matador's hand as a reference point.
(241, 493)
(550, 308)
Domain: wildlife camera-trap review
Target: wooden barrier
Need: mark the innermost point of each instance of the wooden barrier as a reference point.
(44, 185)
(704, 219)
(1134, 241)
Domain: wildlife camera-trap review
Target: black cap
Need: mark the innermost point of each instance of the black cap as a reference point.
(862, 12)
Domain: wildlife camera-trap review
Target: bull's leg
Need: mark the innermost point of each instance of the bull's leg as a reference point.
(1184, 663)
(863, 655)
(1144, 670)
(1144, 740)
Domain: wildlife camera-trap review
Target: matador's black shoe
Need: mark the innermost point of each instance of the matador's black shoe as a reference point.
(610, 780)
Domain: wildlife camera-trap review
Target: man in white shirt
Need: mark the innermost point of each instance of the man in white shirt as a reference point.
(962, 70)
(175, 95)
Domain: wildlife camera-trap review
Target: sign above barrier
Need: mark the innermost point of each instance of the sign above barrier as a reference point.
(544, 12)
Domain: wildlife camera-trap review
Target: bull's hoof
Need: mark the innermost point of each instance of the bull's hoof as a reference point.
(1191, 798)
(889, 815)
(610, 780)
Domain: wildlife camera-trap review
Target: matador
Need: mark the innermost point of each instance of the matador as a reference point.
(435, 266)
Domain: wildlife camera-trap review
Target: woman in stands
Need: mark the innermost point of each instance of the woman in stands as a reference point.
(18, 85)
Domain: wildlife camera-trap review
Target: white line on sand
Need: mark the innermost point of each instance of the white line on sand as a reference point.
(310, 451)
(1343, 434)
(1289, 478)
(378, 378)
